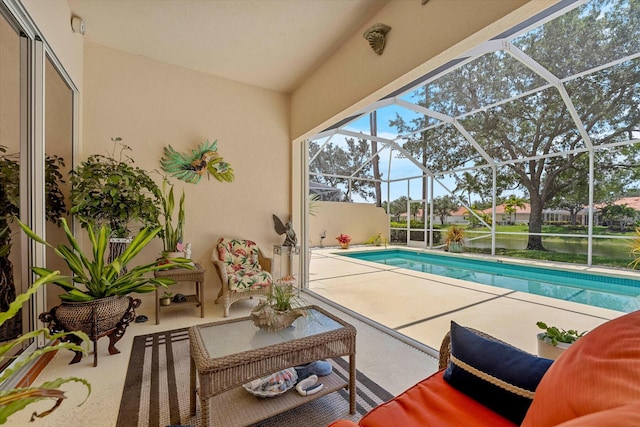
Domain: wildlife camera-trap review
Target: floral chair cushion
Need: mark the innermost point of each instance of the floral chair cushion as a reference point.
(243, 280)
(241, 263)
(238, 254)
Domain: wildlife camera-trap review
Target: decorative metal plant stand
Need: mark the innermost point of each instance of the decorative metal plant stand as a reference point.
(108, 317)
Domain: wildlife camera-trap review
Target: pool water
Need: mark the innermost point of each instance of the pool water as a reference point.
(615, 293)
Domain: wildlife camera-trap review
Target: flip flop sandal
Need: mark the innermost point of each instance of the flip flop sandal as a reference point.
(141, 318)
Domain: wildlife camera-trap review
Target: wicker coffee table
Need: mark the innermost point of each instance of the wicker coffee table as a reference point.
(225, 355)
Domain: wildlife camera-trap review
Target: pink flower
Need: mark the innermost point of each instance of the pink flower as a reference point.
(343, 239)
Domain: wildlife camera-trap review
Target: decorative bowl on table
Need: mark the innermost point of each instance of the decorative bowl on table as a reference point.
(273, 385)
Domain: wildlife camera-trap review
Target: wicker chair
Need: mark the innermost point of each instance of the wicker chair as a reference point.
(243, 269)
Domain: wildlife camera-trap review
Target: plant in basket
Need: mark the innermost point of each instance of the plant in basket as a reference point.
(98, 289)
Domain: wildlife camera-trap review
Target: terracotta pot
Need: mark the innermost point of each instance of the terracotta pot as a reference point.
(344, 245)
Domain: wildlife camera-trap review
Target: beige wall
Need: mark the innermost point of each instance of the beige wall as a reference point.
(361, 221)
(421, 39)
(151, 105)
(53, 18)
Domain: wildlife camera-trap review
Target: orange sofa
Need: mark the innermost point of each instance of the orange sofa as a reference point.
(596, 382)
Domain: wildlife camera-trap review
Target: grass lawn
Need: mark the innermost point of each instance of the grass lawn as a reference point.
(556, 256)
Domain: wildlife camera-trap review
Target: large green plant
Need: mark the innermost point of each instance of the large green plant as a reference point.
(171, 235)
(113, 191)
(16, 399)
(94, 278)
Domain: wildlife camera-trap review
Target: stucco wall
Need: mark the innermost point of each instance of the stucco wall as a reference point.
(151, 105)
(53, 18)
(421, 39)
(361, 221)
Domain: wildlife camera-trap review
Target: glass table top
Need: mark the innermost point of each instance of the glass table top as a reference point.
(223, 339)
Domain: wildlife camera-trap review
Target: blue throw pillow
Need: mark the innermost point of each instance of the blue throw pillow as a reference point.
(499, 376)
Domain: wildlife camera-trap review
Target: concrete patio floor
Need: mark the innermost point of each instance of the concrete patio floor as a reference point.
(411, 304)
(421, 305)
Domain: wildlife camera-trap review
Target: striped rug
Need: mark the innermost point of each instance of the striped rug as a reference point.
(156, 389)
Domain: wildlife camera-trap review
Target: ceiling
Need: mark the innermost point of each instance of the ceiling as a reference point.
(272, 44)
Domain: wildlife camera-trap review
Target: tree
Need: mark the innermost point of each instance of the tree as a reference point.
(444, 206)
(468, 184)
(512, 204)
(622, 215)
(397, 207)
(335, 162)
(538, 126)
(609, 183)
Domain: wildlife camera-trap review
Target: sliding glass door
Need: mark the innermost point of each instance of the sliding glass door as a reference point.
(37, 129)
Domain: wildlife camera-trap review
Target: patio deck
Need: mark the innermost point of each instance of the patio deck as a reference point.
(421, 305)
(409, 303)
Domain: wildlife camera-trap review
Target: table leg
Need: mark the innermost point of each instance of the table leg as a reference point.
(205, 415)
(192, 386)
(200, 292)
(157, 308)
(352, 383)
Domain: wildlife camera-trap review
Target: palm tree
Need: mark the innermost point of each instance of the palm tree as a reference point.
(468, 184)
(513, 203)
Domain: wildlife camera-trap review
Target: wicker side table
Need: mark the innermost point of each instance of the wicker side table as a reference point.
(195, 275)
(227, 354)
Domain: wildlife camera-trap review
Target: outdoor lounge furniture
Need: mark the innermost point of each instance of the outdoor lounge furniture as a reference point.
(596, 382)
(243, 269)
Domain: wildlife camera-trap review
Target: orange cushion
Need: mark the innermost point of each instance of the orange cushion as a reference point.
(433, 402)
(622, 416)
(598, 372)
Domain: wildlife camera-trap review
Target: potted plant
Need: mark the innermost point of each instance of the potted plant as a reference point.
(454, 240)
(165, 298)
(13, 400)
(553, 341)
(96, 299)
(344, 240)
(111, 191)
(281, 308)
(172, 235)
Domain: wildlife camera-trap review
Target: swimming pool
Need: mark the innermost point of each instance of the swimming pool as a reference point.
(615, 293)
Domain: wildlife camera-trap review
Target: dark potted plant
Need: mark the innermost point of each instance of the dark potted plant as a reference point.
(96, 299)
(110, 190)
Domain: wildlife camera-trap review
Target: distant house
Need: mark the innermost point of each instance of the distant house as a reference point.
(460, 216)
(520, 216)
